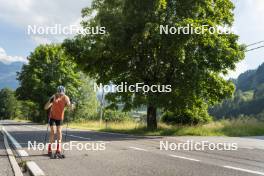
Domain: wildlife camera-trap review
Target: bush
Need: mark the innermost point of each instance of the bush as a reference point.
(115, 116)
(184, 117)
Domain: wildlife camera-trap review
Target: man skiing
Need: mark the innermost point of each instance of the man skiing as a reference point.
(57, 104)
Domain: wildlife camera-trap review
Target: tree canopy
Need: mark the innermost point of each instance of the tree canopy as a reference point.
(48, 68)
(134, 51)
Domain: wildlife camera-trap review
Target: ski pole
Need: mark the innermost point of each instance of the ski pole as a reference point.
(45, 139)
(66, 132)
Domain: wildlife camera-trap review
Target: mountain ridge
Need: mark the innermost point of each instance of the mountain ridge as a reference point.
(8, 74)
(248, 98)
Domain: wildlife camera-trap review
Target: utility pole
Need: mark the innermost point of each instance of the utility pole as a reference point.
(101, 108)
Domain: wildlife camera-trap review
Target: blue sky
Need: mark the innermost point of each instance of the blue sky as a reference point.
(249, 25)
(16, 15)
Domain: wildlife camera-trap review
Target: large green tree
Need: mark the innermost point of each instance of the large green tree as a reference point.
(48, 68)
(8, 104)
(133, 51)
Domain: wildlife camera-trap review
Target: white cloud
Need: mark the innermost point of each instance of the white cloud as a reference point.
(22, 13)
(9, 59)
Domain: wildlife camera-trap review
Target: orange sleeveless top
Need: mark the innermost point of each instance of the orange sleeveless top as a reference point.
(58, 105)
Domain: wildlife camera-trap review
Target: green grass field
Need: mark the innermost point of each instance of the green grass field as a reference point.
(237, 127)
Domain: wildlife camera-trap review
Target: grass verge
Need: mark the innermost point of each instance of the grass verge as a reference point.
(21, 120)
(236, 127)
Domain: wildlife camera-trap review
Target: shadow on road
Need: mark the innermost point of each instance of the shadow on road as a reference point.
(27, 134)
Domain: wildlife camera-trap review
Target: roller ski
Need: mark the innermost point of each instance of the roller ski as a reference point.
(57, 155)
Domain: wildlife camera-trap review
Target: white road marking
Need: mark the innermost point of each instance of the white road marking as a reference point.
(22, 153)
(17, 146)
(250, 148)
(13, 162)
(244, 170)
(31, 165)
(13, 140)
(77, 136)
(34, 168)
(140, 149)
(182, 157)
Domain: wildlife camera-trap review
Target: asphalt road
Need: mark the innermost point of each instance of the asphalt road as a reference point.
(127, 155)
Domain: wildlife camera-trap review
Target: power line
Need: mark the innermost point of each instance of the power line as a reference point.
(254, 48)
(262, 41)
(255, 43)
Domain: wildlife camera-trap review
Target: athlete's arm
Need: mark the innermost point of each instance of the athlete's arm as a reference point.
(68, 103)
(49, 103)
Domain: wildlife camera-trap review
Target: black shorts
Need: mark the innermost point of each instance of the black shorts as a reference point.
(53, 122)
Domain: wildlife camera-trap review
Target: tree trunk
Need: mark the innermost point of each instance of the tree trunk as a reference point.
(151, 118)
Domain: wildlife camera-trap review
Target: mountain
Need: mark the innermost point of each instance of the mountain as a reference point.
(250, 79)
(245, 81)
(248, 98)
(8, 74)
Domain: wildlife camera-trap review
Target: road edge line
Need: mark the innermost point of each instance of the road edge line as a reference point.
(31, 166)
(244, 170)
(15, 167)
(17, 146)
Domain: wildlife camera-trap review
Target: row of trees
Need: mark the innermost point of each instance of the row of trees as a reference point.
(8, 104)
(11, 108)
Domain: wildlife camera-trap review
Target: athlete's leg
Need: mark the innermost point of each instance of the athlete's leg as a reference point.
(59, 135)
(51, 138)
(51, 134)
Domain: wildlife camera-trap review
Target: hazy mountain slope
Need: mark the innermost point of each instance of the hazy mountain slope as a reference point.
(8, 74)
(248, 98)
